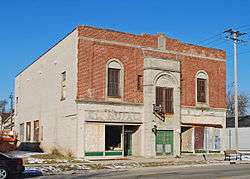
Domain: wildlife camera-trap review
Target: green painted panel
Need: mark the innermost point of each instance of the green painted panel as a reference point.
(160, 137)
(113, 153)
(169, 137)
(93, 154)
(164, 141)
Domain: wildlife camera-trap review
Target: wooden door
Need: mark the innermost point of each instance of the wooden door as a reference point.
(199, 138)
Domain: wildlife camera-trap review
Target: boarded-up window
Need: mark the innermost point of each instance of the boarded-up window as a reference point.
(140, 83)
(113, 82)
(201, 90)
(164, 97)
(28, 131)
(36, 131)
(21, 132)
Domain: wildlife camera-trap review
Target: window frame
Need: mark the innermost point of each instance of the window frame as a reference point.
(114, 84)
(140, 83)
(63, 85)
(201, 90)
(36, 134)
(114, 64)
(166, 106)
(21, 135)
(28, 132)
(202, 75)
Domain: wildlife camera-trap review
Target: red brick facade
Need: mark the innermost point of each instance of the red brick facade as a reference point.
(97, 46)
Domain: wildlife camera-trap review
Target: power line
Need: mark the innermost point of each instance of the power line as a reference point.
(210, 38)
(243, 27)
(241, 53)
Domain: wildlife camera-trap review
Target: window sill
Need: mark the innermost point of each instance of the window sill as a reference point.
(202, 104)
(168, 114)
(114, 98)
(62, 99)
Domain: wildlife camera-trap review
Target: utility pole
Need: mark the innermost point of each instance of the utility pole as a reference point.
(233, 35)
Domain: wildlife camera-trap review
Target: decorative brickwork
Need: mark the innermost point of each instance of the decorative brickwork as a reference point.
(97, 46)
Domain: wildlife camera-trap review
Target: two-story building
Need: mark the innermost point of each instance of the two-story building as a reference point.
(104, 93)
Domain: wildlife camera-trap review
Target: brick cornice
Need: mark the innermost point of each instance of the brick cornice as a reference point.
(150, 48)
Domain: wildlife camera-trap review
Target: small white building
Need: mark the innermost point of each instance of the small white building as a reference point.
(243, 133)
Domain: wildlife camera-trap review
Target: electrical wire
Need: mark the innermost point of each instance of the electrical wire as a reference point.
(243, 27)
(217, 44)
(210, 38)
(213, 41)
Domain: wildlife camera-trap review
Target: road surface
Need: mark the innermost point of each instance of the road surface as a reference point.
(233, 171)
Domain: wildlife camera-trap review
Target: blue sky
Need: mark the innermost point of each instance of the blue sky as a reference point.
(28, 28)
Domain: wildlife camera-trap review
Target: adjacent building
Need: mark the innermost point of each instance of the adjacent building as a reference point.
(104, 93)
(243, 133)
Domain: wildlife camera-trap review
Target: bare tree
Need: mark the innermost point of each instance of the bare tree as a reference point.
(243, 103)
(3, 104)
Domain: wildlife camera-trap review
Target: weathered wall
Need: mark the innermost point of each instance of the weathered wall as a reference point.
(164, 73)
(38, 89)
(94, 137)
(203, 116)
(187, 140)
(93, 116)
(93, 57)
(97, 46)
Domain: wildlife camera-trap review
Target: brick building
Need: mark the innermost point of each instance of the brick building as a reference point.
(103, 93)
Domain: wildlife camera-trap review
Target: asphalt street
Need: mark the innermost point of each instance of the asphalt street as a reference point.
(237, 171)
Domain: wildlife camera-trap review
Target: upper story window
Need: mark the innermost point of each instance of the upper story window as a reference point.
(113, 82)
(164, 98)
(114, 79)
(140, 83)
(63, 85)
(202, 87)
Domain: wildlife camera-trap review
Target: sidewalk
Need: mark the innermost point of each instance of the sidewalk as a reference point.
(84, 166)
(48, 164)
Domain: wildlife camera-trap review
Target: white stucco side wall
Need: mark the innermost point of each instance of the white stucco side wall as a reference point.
(38, 89)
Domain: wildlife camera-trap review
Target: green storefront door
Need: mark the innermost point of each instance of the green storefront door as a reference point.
(164, 142)
(127, 143)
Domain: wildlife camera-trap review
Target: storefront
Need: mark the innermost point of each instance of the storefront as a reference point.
(112, 131)
(114, 140)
